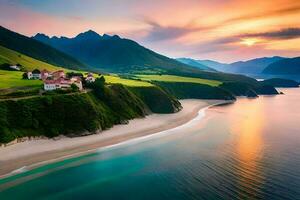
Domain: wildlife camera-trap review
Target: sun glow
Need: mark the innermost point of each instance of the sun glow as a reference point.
(249, 41)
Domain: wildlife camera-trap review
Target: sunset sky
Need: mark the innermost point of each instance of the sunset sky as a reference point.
(222, 30)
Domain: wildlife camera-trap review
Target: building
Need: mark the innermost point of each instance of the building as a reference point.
(90, 78)
(29, 75)
(35, 74)
(15, 67)
(50, 85)
(45, 74)
(58, 74)
(61, 83)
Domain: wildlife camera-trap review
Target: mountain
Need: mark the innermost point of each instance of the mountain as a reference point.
(37, 50)
(195, 63)
(112, 53)
(279, 82)
(254, 66)
(223, 67)
(115, 54)
(288, 66)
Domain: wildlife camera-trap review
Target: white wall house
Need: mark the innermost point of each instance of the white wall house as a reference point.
(31, 75)
(15, 67)
(61, 84)
(78, 84)
(36, 76)
(49, 86)
(90, 78)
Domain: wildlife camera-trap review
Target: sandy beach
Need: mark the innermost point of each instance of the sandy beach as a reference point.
(37, 152)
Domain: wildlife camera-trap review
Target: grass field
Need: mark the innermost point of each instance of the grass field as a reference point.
(171, 78)
(12, 79)
(13, 57)
(132, 83)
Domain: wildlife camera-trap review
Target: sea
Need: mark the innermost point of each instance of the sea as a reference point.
(249, 149)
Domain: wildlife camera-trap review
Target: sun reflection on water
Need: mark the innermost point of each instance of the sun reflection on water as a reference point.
(249, 148)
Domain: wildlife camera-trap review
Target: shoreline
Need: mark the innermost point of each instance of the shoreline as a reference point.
(30, 154)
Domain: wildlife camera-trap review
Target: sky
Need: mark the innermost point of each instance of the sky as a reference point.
(222, 30)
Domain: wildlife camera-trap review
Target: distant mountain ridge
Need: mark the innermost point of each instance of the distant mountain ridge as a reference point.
(253, 66)
(288, 66)
(222, 67)
(112, 53)
(37, 50)
(194, 63)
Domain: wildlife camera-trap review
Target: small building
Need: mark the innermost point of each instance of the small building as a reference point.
(50, 85)
(78, 84)
(29, 75)
(45, 74)
(61, 83)
(15, 67)
(58, 74)
(90, 78)
(35, 74)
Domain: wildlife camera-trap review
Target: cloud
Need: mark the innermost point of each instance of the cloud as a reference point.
(268, 13)
(158, 32)
(288, 33)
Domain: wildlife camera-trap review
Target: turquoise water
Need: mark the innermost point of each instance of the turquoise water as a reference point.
(246, 150)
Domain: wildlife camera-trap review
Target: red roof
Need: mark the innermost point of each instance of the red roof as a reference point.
(58, 81)
(44, 71)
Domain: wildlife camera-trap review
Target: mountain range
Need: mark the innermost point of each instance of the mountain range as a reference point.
(37, 50)
(112, 53)
(195, 63)
(288, 66)
(254, 66)
(249, 67)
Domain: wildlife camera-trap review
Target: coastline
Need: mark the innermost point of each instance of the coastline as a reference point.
(34, 153)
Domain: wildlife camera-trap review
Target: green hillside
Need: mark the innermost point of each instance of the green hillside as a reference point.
(80, 112)
(171, 78)
(288, 66)
(13, 79)
(113, 79)
(13, 57)
(37, 50)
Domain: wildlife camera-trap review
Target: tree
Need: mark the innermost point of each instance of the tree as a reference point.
(98, 86)
(71, 74)
(25, 76)
(36, 71)
(74, 88)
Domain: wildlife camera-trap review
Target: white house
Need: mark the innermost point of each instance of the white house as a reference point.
(35, 74)
(90, 78)
(45, 74)
(15, 67)
(61, 83)
(29, 75)
(78, 84)
(49, 85)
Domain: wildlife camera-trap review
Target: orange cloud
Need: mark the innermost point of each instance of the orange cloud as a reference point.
(193, 28)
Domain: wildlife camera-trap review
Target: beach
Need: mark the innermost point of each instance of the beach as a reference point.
(34, 153)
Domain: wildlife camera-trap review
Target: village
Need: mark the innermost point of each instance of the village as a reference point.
(59, 79)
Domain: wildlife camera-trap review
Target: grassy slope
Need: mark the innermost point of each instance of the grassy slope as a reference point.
(13, 57)
(37, 50)
(10, 79)
(171, 78)
(131, 83)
